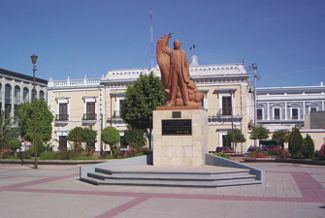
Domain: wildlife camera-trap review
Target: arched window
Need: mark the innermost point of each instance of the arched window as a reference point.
(41, 94)
(17, 94)
(25, 95)
(8, 94)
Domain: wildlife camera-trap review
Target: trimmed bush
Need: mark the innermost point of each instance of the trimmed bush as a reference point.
(295, 142)
(308, 146)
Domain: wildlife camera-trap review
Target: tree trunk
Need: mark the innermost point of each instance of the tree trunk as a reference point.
(150, 138)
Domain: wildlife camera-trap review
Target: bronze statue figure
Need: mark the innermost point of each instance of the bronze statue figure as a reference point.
(175, 76)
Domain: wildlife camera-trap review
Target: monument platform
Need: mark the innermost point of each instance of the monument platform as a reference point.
(179, 136)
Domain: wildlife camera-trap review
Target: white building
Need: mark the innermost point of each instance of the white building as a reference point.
(287, 107)
(16, 88)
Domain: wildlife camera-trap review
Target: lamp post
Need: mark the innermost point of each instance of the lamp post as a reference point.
(254, 66)
(34, 59)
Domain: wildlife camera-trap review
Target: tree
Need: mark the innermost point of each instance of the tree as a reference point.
(8, 133)
(236, 136)
(295, 142)
(308, 146)
(43, 119)
(140, 100)
(111, 136)
(134, 137)
(76, 136)
(89, 137)
(259, 132)
(281, 136)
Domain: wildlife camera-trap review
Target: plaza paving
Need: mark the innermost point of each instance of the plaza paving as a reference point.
(290, 190)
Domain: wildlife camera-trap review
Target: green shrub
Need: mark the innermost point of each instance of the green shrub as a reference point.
(48, 155)
(222, 154)
(298, 155)
(67, 155)
(14, 144)
(295, 142)
(308, 146)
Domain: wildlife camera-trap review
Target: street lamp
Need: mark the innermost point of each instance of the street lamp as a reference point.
(34, 59)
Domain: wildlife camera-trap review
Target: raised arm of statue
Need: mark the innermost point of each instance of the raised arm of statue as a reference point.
(163, 53)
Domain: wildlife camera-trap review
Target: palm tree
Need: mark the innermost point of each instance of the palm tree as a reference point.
(236, 136)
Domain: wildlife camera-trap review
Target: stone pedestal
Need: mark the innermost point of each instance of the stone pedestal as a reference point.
(173, 146)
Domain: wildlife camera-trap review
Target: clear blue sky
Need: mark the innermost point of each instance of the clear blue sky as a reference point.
(77, 37)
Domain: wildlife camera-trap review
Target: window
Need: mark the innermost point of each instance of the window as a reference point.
(63, 111)
(41, 94)
(276, 114)
(17, 94)
(259, 114)
(312, 109)
(8, 94)
(25, 94)
(90, 111)
(294, 113)
(63, 143)
(117, 113)
(226, 141)
(226, 105)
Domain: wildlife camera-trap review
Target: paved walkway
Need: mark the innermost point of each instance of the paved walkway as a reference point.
(291, 190)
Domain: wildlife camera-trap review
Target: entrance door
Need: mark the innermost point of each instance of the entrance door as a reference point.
(225, 141)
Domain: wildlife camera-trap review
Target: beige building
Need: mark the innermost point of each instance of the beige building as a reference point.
(74, 103)
(97, 102)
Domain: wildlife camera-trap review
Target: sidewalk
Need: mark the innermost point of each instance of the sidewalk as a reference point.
(291, 190)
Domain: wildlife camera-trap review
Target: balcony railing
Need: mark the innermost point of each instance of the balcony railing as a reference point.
(62, 117)
(89, 116)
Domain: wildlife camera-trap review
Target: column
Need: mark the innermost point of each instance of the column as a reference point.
(21, 93)
(303, 109)
(3, 94)
(323, 105)
(268, 110)
(12, 98)
(285, 110)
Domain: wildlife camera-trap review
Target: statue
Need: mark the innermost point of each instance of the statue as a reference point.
(175, 76)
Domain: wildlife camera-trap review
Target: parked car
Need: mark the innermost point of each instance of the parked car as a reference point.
(224, 149)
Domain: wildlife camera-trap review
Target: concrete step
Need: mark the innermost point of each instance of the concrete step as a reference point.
(174, 177)
(169, 183)
(171, 173)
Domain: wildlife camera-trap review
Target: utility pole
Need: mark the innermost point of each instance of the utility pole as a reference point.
(254, 66)
(151, 40)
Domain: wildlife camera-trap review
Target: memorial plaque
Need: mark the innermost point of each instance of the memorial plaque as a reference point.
(176, 114)
(176, 127)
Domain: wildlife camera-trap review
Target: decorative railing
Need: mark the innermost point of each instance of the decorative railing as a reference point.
(62, 117)
(89, 116)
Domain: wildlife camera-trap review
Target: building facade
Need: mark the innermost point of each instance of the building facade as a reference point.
(226, 100)
(288, 107)
(96, 103)
(17, 88)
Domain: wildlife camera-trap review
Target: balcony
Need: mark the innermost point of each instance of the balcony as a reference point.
(89, 118)
(222, 117)
(61, 119)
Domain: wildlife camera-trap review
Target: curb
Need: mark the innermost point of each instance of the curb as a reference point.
(286, 160)
(54, 162)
